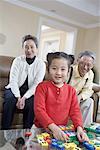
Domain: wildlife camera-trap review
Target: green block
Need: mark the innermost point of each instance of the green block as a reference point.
(97, 144)
(73, 137)
(60, 142)
(89, 129)
(90, 135)
(76, 142)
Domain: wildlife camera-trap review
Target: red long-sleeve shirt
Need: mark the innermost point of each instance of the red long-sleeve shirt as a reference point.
(56, 105)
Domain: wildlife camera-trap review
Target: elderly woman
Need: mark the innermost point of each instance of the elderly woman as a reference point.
(26, 72)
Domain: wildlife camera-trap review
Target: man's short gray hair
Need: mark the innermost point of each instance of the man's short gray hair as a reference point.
(87, 53)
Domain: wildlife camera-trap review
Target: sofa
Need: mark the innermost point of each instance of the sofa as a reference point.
(5, 64)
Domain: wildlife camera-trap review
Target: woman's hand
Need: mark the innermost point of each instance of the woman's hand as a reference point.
(57, 132)
(82, 136)
(20, 103)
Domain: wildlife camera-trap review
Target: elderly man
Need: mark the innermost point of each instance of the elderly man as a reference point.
(81, 78)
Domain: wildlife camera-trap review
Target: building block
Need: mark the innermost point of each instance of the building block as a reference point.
(88, 146)
(70, 146)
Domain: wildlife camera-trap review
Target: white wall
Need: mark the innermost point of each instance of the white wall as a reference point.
(15, 22)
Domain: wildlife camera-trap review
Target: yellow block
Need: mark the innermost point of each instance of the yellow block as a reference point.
(44, 143)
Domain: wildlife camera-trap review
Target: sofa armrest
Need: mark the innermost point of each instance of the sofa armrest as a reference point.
(96, 87)
(95, 97)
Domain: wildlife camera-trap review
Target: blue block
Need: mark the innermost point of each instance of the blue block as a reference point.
(54, 140)
(54, 144)
(60, 147)
(88, 146)
(98, 128)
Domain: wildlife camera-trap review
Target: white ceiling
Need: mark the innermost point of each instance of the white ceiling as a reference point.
(84, 13)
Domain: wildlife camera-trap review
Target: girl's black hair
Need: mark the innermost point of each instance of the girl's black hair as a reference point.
(51, 56)
(72, 58)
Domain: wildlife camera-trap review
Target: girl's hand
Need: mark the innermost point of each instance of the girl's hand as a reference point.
(82, 136)
(57, 132)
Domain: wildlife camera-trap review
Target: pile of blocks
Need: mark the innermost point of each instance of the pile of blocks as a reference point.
(46, 140)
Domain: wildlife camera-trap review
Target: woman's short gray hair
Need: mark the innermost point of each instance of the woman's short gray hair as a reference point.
(87, 53)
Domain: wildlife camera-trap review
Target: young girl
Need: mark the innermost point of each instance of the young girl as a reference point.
(55, 101)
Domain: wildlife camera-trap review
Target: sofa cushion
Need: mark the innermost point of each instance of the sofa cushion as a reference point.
(3, 83)
(5, 65)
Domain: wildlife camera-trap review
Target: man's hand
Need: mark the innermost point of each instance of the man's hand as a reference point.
(20, 103)
(57, 132)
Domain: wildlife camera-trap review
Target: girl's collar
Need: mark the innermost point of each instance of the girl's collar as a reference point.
(56, 84)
